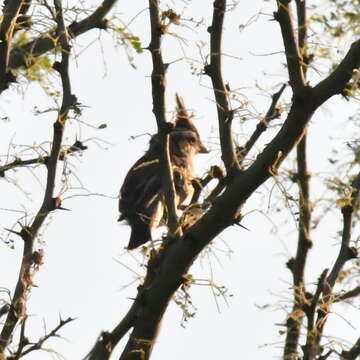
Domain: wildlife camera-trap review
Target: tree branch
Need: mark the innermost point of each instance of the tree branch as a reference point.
(293, 56)
(41, 341)
(272, 113)
(304, 240)
(105, 345)
(353, 353)
(349, 294)
(29, 233)
(346, 253)
(158, 83)
(44, 43)
(18, 162)
(225, 115)
(335, 83)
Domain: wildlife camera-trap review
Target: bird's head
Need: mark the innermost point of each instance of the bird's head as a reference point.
(185, 139)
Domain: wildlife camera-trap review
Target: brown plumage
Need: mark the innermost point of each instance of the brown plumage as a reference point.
(141, 195)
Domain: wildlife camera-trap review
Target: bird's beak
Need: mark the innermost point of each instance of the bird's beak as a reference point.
(203, 149)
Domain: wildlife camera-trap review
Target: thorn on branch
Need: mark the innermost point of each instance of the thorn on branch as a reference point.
(236, 221)
(290, 264)
(276, 16)
(26, 233)
(106, 339)
(55, 204)
(13, 232)
(103, 24)
(4, 309)
(230, 117)
(57, 66)
(351, 253)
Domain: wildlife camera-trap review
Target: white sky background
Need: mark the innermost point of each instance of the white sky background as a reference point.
(82, 276)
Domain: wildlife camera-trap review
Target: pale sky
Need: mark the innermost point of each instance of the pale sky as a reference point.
(87, 270)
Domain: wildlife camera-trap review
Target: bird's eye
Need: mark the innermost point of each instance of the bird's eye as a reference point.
(191, 139)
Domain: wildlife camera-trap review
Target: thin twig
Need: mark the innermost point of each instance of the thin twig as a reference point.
(41, 341)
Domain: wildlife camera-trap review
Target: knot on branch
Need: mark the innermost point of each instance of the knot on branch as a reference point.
(217, 172)
(26, 233)
(24, 21)
(8, 78)
(347, 209)
(230, 117)
(276, 16)
(172, 16)
(57, 66)
(208, 70)
(138, 354)
(5, 309)
(351, 253)
(103, 24)
(106, 339)
(290, 264)
(55, 203)
(219, 6)
(38, 257)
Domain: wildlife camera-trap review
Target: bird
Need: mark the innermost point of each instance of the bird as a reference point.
(141, 196)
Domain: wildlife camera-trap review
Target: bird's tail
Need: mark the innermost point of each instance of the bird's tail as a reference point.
(140, 234)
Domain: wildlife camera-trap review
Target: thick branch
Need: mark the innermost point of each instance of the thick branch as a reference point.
(225, 115)
(353, 353)
(105, 345)
(158, 83)
(44, 43)
(335, 83)
(293, 57)
(349, 294)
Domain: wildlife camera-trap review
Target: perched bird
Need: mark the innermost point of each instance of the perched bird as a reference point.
(141, 195)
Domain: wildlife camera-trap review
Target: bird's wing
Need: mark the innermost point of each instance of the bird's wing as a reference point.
(142, 186)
